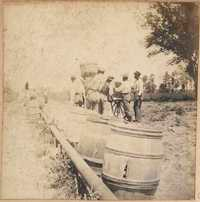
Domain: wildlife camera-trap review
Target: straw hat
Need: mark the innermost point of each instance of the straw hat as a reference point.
(101, 69)
(137, 73)
(125, 75)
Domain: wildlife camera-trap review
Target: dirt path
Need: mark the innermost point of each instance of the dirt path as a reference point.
(23, 171)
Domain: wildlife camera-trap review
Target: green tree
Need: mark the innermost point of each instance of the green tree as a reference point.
(175, 83)
(174, 29)
(166, 84)
(144, 79)
(166, 78)
(152, 78)
(150, 85)
(183, 77)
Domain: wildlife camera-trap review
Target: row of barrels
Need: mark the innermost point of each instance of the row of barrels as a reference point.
(126, 156)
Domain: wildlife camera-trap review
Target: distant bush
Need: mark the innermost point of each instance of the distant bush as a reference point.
(173, 96)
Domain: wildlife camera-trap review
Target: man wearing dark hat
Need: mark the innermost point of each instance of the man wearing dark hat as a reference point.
(137, 90)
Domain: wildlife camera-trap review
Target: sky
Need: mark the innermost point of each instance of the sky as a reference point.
(46, 42)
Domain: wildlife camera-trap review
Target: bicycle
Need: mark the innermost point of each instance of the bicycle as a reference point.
(118, 107)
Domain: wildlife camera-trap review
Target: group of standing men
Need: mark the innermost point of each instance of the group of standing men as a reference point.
(131, 92)
(101, 89)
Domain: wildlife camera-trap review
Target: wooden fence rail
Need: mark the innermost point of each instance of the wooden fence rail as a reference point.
(89, 176)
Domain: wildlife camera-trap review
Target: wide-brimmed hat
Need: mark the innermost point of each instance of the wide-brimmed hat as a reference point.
(137, 73)
(73, 77)
(101, 69)
(110, 77)
(125, 76)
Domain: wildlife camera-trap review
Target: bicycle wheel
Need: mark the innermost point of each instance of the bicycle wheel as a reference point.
(126, 114)
(114, 106)
(122, 110)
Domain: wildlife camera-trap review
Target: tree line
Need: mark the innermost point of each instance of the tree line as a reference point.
(175, 30)
(171, 82)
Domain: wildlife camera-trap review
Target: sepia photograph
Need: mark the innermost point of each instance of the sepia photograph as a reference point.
(99, 100)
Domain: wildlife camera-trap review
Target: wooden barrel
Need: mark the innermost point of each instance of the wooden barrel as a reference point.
(92, 144)
(76, 124)
(132, 159)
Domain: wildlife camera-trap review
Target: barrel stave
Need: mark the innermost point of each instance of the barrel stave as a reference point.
(92, 143)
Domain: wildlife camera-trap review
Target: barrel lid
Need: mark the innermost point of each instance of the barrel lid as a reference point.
(140, 127)
(134, 133)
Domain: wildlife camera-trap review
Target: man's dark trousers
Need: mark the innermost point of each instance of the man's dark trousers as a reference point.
(126, 101)
(137, 108)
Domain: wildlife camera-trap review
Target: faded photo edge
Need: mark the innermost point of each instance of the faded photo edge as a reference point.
(197, 173)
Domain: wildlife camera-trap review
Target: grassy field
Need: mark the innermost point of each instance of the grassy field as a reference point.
(178, 122)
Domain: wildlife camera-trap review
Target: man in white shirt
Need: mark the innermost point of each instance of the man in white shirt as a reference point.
(125, 90)
(77, 92)
(137, 90)
(94, 93)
